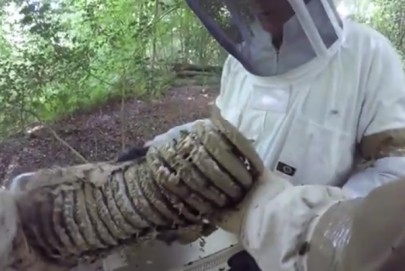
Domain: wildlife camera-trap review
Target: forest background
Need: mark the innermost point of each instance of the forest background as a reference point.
(73, 66)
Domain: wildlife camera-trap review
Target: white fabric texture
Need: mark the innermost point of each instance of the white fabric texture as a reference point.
(383, 171)
(327, 110)
(276, 219)
(277, 225)
(330, 109)
(309, 120)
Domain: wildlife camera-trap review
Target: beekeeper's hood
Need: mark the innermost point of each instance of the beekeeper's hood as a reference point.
(248, 30)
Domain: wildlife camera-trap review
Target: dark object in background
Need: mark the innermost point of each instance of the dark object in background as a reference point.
(132, 153)
(242, 261)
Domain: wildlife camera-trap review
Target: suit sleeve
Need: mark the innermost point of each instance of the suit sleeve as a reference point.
(381, 130)
(278, 218)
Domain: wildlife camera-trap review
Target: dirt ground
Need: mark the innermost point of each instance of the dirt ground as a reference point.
(98, 133)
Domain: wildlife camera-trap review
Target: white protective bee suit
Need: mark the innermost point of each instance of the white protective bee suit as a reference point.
(333, 95)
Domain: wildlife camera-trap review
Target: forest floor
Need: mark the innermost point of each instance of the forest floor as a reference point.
(100, 133)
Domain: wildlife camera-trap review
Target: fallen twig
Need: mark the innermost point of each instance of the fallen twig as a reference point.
(58, 138)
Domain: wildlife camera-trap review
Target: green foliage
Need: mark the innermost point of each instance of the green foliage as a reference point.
(388, 17)
(57, 56)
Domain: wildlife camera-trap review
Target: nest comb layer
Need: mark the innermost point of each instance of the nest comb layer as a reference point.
(85, 211)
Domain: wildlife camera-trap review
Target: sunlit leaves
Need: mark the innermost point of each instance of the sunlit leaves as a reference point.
(387, 16)
(58, 55)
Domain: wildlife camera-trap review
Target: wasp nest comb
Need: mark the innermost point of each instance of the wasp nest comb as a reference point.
(85, 211)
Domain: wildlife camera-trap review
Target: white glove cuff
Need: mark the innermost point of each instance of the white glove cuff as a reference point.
(265, 190)
(280, 222)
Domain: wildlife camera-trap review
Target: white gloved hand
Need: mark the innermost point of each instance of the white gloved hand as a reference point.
(268, 186)
(172, 133)
(276, 219)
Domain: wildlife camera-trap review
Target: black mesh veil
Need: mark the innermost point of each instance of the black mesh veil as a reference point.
(237, 27)
(227, 22)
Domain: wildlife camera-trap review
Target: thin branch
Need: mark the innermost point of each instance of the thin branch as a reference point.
(99, 79)
(123, 114)
(58, 138)
(61, 140)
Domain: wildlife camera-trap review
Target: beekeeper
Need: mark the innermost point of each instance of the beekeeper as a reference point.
(318, 95)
